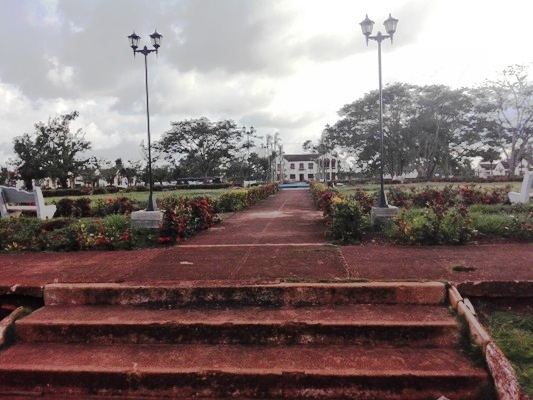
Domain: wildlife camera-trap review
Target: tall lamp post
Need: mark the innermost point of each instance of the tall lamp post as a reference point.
(390, 26)
(156, 43)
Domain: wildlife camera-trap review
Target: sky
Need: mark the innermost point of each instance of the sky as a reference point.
(282, 66)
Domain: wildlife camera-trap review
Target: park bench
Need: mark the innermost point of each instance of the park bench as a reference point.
(14, 201)
(525, 190)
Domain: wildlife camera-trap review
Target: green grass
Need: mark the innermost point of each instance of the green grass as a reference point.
(371, 188)
(513, 333)
(142, 197)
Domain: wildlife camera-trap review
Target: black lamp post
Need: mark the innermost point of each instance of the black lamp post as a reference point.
(156, 43)
(390, 26)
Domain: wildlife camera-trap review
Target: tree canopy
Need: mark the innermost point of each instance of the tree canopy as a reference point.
(434, 129)
(51, 151)
(506, 104)
(204, 144)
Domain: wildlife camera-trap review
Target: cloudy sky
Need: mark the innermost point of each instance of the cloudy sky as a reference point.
(282, 66)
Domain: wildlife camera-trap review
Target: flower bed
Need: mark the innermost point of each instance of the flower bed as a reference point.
(105, 223)
(451, 215)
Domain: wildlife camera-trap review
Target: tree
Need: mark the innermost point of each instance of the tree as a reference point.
(507, 105)
(257, 168)
(357, 132)
(203, 143)
(425, 128)
(52, 152)
(30, 165)
(446, 133)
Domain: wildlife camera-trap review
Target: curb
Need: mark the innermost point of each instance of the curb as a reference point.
(7, 322)
(500, 367)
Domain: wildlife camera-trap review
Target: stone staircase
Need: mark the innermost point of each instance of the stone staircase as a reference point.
(323, 341)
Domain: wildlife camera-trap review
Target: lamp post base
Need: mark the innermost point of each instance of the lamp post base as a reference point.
(383, 216)
(146, 219)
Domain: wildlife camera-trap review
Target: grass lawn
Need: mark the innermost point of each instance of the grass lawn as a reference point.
(370, 188)
(142, 197)
(512, 330)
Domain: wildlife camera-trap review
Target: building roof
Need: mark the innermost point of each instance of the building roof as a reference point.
(300, 157)
(488, 165)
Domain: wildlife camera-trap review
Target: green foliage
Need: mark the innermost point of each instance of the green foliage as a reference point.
(239, 199)
(513, 333)
(348, 220)
(184, 217)
(449, 195)
(19, 234)
(202, 143)
(323, 198)
(235, 200)
(436, 225)
(509, 221)
(111, 206)
(364, 199)
(76, 208)
(52, 152)
(110, 233)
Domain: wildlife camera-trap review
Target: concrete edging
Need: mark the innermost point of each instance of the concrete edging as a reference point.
(500, 367)
(7, 322)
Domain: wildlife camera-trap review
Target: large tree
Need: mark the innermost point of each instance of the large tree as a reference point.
(203, 143)
(52, 151)
(425, 128)
(507, 106)
(357, 131)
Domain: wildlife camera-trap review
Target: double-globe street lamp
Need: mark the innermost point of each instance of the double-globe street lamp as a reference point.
(390, 27)
(156, 43)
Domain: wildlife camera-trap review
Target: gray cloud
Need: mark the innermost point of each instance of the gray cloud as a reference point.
(285, 65)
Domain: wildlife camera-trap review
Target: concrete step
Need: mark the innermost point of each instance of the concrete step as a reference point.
(413, 325)
(229, 371)
(223, 295)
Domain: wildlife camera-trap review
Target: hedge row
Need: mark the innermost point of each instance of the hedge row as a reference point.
(429, 215)
(87, 191)
(106, 223)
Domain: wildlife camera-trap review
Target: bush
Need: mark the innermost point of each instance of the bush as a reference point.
(20, 234)
(364, 199)
(348, 220)
(472, 194)
(110, 233)
(235, 200)
(239, 199)
(436, 225)
(112, 206)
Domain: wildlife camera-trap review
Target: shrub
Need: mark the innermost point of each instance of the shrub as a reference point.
(348, 220)
(472, 194)
(111, 206)
(490, 224)
(172, 227)
(184, 217)
(364, 199)
(20, 234)
(436, 225)
(400, 197)
(429, 195)
(521, 228)
(238, 199)
(110, 233)
(234, 200)
(69, 208)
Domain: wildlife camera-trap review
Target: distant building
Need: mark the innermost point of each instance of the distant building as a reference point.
(308, 167)
(486, 169)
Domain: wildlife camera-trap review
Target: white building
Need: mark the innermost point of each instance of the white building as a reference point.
(487, 169)
(307, 167)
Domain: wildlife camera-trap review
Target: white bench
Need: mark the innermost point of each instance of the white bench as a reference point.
(525, 190)
(11, 199)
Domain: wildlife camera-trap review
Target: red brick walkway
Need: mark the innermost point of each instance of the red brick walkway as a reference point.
(281, 238)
